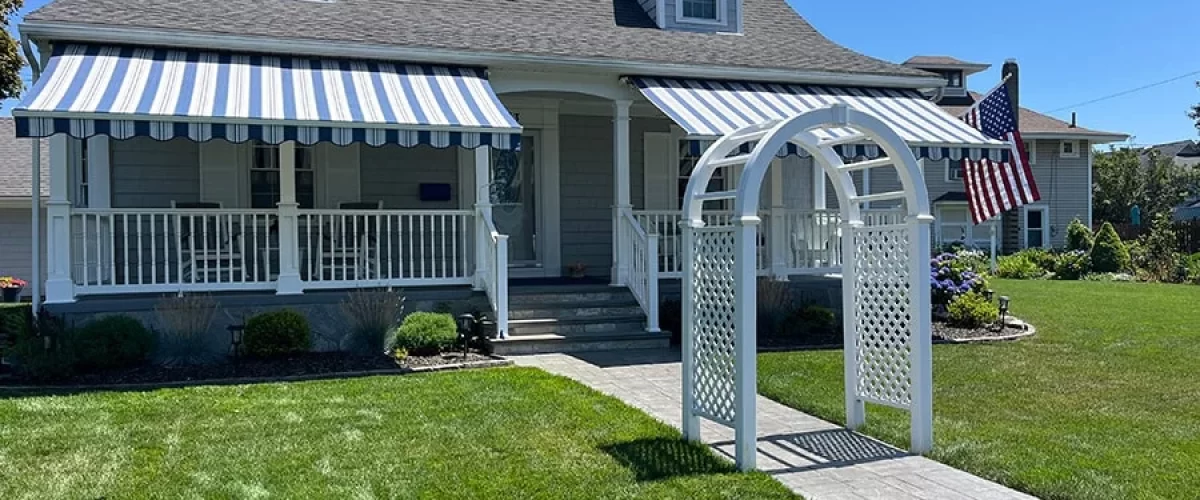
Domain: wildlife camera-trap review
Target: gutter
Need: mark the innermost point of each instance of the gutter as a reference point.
(329, 48)
(1096, 138)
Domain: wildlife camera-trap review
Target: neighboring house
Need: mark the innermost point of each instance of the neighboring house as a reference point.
(1060, 154)
(16, 189)
(300, 145)
(1185, 153)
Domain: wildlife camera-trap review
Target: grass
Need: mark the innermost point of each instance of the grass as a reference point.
(501, 433)
(1103, 403)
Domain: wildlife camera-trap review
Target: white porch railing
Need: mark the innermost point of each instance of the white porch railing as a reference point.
(347, 248)
(162, 250)
(640, 272)
(495, 273)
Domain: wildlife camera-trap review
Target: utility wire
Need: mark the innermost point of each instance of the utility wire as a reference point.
(1125, 92)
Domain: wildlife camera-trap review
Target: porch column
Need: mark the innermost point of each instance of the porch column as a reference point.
(818, 186)
(779, 233)
(620, 264)
(483, 208)
(59, 286)
(35, 280)
(289, 214)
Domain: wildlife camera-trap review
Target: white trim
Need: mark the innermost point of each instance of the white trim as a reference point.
(1097, 138)
(1062, 149)
(660, 14)
(721, 7)
(1045, 209)
(81, 32)
(1031, 150)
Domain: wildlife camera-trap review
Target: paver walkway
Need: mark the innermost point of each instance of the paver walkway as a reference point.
(815, 458)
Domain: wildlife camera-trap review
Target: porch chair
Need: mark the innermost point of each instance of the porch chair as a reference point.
(209, 249)
(350, 249)
(816, 250)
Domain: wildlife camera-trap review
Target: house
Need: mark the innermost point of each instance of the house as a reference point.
(16, 187)
(1060, 155)
(295, 146)
(1185, 153)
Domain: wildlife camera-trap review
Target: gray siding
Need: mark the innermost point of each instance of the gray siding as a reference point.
(637, 156)
(147, 173)
(16, 245)
(797, 182)
(729, 23)
(1064, 187)
(395, 174)
(587, 190)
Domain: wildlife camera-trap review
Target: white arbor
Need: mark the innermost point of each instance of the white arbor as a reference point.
(885, 291)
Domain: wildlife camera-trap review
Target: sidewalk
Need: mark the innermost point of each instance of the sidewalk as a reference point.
(814, 458)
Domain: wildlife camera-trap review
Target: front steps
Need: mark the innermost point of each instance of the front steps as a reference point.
(575, 318)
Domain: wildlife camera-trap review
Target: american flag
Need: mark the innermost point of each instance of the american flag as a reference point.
(992, 186)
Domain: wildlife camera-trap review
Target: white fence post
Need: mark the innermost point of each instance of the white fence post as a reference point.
(856, 410)
(745, 341)
(289, 282)
(652, 283)
(501, 286)
(921, 335)
(691, 422)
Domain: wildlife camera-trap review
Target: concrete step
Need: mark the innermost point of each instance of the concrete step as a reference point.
(546, 343)
(562, 289)
(572, 326)
(607, 294)
(597, 310)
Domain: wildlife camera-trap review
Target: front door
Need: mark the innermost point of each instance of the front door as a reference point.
(514, 203)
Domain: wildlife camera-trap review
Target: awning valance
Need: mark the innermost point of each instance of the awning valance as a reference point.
(708, 109)
(165, 93)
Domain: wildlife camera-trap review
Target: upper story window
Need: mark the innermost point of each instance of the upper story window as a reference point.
(1070, 149)
(701, 10)
(954, 79)
(264, 177)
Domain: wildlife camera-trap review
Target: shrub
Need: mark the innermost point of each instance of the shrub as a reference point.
(277, 333)
(117, 341)
(371, 315)
(816, 322)
(1018, 267)
(1109, 254)
(184, 321)
(1158, 259)
(952, 276)
(16, 321)
(1041, 257)
(775, 303)
(1072, 265)
(1193, 268)
(971, 310)
(1079, 236)
(43, 353)
(425, 334)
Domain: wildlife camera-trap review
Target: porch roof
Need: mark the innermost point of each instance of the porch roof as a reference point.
(165, 93)
(708, 109)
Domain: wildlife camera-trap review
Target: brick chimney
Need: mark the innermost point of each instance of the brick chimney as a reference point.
(1012, 72)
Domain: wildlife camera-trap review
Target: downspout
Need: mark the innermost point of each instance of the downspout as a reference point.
(36, 194)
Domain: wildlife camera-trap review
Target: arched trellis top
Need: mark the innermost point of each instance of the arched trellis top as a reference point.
(885, 289)
(164, 93)
(872, 151)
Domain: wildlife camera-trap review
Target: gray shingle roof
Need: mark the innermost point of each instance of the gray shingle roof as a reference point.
(1033, 122)
(938, 61)
(775, 36)
(16, 163)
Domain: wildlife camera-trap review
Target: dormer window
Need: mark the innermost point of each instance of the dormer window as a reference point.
(953, 79)
(701, 10)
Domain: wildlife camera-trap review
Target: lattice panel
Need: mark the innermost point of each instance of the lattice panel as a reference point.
(881, 313)
(713, 327)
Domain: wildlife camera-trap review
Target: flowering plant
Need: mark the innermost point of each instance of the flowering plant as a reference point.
(11, 282)
(952, 275)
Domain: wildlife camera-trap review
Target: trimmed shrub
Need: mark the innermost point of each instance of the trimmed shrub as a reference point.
(425, 334)
(1018, 267)
(44, 352)
(1079, 236)
(971, 310)
(110, 342)
(1072, 265)
(277, 333)
(1109, 254)
(813, 321)
(951, 276)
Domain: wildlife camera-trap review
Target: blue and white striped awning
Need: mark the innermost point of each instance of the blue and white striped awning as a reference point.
(709, 109)
(164, 93)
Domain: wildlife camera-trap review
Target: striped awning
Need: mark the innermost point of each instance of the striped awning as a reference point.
(709, 109)
(165, 93)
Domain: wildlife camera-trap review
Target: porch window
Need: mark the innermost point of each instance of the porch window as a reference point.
(687, 163)
(264, 176)
(81, 175)
(700, 9)
(954, 170)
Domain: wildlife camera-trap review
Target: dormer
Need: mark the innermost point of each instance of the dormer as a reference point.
(953, 70)
(704, 16)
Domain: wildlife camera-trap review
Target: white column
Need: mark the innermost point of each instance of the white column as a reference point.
(818, 186)
(99, 178)
(745, 345)
(59, 286)
(483, 209)
(289, 214)
(620, 265)
(856, 409)
(35, 280)
(920, 336)
(778, 232)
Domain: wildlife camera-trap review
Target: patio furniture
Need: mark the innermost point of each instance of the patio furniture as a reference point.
(350, 250)
(208, 245)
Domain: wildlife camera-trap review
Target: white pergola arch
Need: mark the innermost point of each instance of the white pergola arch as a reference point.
(885, 291)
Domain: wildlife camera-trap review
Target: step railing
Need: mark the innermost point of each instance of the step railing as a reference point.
(495, 267)
(640, 251)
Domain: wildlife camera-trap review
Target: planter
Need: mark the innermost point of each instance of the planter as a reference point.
(12, 294)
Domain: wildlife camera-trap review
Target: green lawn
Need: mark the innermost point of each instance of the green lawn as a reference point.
(501, 433)
(1103, 403)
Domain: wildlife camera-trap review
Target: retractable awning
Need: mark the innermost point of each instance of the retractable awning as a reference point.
(165, 93)
(708, 109)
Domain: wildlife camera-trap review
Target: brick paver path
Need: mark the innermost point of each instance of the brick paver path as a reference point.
(814, 458)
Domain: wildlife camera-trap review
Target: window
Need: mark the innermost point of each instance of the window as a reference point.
(81, 175)
(1036, 232)
(954, 170)
(707, 10)
(954, 226)
(687, 163)
(1070, 149)
(264, 177)
(953, 78)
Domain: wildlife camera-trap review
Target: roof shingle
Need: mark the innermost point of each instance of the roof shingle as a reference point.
(1033, 122)
(16, 163)
(775, 36)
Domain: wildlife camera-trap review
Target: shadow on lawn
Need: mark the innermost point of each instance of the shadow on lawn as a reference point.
(656, 459)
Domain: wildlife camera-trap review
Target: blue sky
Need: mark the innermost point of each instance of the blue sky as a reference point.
(1070, 51)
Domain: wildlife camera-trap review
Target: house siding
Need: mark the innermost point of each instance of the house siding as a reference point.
(16, 245)
(586, 187)
(394, 175)
(729, 24)
(148, 173)
(1063, 184)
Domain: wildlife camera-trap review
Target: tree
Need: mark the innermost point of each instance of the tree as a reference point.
(1195, 112)
(1124, 178)
(1109, 253)
(11, 61)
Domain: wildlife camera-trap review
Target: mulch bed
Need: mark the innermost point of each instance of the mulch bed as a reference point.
(309, 365)
(1012, 330)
